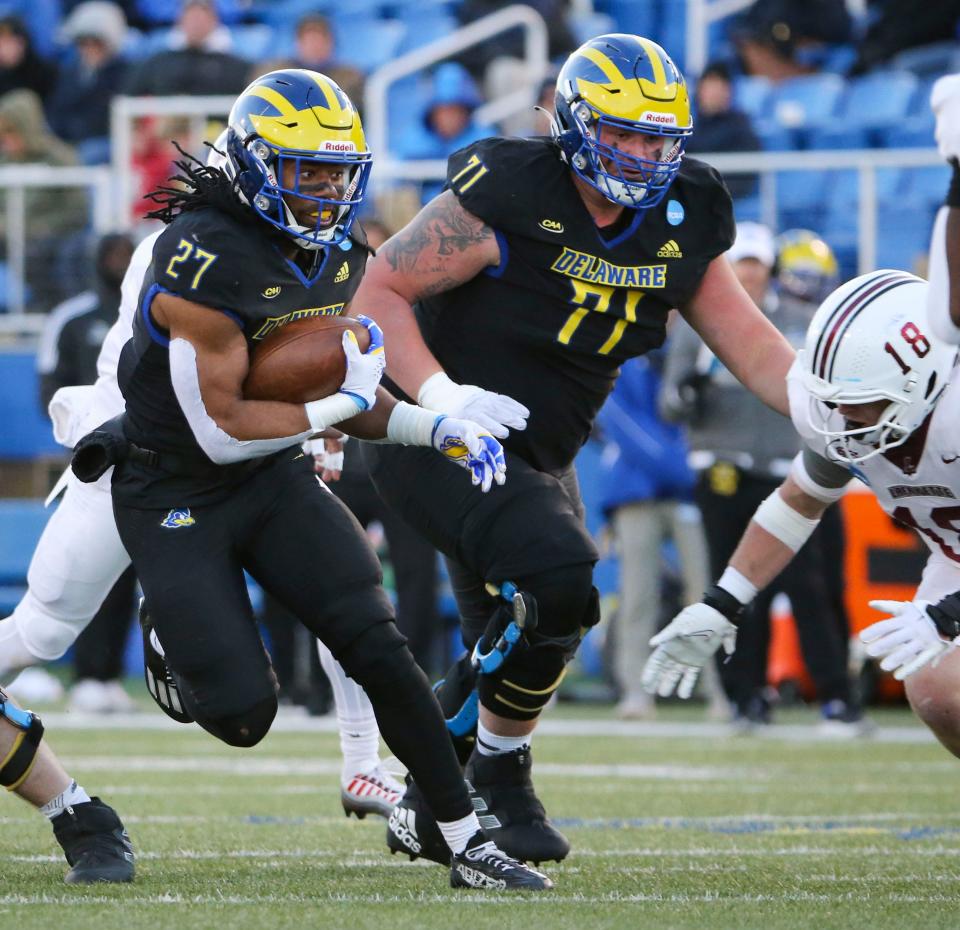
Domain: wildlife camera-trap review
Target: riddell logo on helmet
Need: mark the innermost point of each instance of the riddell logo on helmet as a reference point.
(338, 147)
(667, 119)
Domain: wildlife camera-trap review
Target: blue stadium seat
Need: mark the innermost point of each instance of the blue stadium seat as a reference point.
(21, 523)
(638, 17)
(427, 29)
(773, 137)
(807, 101)
(927, 186)
(752, 94)
(368, 43)
(913, 133)
(878, 100)
(254, 41)
(930, 60)
(585, 26)
(40, 17)
(26, 431)
(903, 235)
(166, 11)
(843, 198)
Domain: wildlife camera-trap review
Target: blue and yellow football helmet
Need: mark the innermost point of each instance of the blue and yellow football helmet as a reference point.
(622, 82)
(806, 267)
(297, 115)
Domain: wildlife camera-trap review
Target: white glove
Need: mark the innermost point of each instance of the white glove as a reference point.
(468, 445)
(496, 413)
(908, 641)
(364, 369)
(945, 103)
(684, 646)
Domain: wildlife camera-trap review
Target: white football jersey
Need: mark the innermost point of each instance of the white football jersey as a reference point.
(917, 483)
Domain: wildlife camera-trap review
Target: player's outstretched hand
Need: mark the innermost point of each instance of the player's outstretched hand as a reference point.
(945, 103)
(496, 413)
(907, 641)
(683, 647)
(364, 369)
(471, 447)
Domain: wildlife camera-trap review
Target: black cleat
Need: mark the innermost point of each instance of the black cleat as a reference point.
(483, 865)
(95, 843)
(510, 812)
(413, 830)
(160, 683)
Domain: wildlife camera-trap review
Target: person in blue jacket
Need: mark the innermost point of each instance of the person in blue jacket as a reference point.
(648, 498)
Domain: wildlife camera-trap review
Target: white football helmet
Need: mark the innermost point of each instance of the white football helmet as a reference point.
(869, 341)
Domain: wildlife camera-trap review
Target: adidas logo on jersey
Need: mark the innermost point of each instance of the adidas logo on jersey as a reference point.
(670, 250)
(342, 274)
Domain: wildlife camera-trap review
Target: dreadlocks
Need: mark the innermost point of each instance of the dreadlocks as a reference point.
(202, 186)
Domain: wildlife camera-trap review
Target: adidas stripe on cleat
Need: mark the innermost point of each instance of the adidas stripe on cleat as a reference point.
(376, 792)
(160, 683)
(483, 865)
(412, 829)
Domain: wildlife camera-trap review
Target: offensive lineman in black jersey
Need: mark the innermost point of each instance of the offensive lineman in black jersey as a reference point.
(209, 484)
(544, 265)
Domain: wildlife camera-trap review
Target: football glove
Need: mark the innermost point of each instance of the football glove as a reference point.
(364, 369)
(907, 641)
(465, 444)
(945, 103)
(496, 413)
(683, 647)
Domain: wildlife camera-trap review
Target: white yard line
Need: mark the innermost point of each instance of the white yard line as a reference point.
(293, 723)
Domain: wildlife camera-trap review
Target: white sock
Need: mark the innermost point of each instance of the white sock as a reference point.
(73, 794)
(490, 744)
(457, 832)
(359, 734)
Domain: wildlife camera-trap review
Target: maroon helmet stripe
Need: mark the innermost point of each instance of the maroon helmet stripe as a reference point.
(847, 311)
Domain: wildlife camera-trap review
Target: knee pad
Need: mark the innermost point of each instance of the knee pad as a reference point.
(459, 701)
(522, 687)
(16, 765)
(245, 729)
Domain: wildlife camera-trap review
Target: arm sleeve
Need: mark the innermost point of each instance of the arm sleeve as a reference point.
(819, 477)
(220, 447)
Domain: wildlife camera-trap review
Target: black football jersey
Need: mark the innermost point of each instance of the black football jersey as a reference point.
(568, 303)
(228, 266)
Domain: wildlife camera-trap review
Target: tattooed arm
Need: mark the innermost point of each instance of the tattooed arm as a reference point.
(441, 247)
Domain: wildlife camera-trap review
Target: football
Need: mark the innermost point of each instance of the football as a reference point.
(303, 360)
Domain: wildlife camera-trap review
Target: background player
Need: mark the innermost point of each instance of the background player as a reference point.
(545, 265)
(873, 396)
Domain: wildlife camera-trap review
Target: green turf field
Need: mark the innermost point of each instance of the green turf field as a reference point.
(676, 824)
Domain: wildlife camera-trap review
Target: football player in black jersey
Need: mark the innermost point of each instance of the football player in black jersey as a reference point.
(523, 286)
(210, 484)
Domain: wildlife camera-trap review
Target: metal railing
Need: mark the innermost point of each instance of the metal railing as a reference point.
(125, 110)
(378, 84)
(866, 162)
(15, 180)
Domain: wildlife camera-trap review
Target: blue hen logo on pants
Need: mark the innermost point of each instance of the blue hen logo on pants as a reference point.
(177, 518)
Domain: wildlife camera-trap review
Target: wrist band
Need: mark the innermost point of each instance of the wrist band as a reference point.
(741, 587)
(410, 425)
(329, 410)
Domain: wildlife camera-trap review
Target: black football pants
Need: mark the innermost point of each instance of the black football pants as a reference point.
(304, 547)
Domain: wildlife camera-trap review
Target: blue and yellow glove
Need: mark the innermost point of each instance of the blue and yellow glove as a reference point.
(470, 446)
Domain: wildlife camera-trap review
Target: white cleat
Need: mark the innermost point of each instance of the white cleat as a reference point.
(375, 792)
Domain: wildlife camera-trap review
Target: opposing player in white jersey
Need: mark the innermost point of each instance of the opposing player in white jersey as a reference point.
(80, 557)
(874, 395)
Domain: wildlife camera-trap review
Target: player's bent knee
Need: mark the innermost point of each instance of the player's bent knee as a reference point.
(380, 662)
(525, 683)
(565, 598)
(244, 729)
(17, 758)
(44, 635)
